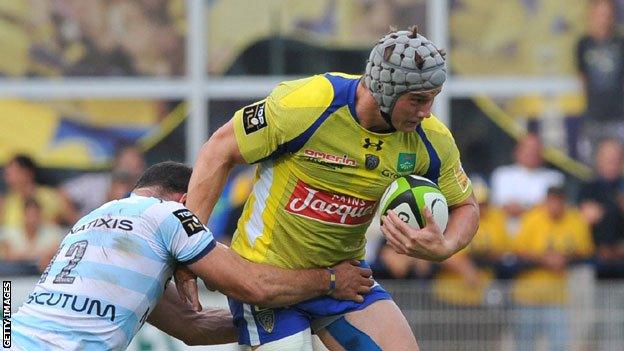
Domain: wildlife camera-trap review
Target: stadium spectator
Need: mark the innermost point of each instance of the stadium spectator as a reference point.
(552, 237)
(600, 62)
(138, 24)
(520, 186)
(466, 281)
(32, 243)
(88, 191)
(121, 185)
(600, 202)
(20, 175)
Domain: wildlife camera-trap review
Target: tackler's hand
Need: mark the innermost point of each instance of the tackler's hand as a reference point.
(352, 282)
(426, 243)
(186, 284)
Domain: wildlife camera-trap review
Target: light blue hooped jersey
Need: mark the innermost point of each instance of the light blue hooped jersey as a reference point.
(108, 274)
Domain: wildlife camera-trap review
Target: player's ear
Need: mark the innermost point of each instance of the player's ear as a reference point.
(182, 199)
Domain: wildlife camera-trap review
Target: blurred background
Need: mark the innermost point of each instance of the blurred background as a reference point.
(93, 91)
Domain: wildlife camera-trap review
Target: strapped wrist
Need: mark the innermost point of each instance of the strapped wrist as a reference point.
(332, 281)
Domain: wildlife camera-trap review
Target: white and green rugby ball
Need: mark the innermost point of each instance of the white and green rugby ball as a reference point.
(409, 195)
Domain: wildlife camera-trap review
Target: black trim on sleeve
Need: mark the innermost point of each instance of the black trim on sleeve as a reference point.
(203, 253)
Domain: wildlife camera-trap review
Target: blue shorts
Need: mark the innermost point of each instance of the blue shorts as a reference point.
(257, 326)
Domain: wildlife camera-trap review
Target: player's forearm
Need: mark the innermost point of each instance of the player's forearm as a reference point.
(210, 173)
(207, 327)
(212, 326)
(282, 287)
(259, 284)
(462, 226)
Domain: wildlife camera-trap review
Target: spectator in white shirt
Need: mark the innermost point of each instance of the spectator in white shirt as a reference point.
(520, 186)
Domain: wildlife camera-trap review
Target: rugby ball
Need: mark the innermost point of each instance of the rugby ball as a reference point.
(409, 195)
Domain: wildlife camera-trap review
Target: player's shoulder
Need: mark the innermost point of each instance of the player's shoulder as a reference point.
(311, 92)
(169, 215)
(439, 136)
(317, 91)
(434, 125)
(144, 207)
(161, 209)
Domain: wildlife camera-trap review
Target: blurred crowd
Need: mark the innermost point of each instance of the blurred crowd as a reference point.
(92, 37)
(35, 217)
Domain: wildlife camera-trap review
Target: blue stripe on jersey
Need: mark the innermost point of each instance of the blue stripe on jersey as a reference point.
(166, 232)
(343, 95)
(121, 241)
(211, 245)
(87, 341)
(341, 98)
(344, 91)
(125, 319)
(125, 278)
(433, 172)
(351, 97)
(298, 142)
(24, 341)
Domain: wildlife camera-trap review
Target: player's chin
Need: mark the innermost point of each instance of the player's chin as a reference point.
(408, 127)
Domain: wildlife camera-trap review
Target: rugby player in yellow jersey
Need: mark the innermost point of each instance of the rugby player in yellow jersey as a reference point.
(326, 147)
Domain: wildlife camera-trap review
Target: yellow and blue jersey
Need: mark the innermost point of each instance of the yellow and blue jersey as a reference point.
(320, 174)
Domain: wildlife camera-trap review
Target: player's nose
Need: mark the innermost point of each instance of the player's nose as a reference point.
(423, 113)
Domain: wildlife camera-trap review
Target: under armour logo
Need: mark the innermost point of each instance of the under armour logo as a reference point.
(368, 143)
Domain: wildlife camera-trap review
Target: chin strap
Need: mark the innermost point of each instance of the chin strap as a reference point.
(388, 119)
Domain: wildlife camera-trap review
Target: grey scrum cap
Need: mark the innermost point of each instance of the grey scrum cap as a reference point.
(403, 61)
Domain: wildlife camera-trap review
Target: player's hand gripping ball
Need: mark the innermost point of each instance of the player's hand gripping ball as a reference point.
(409, 195)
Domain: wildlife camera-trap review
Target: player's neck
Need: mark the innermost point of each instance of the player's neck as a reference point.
(367, 110)
(154, 192)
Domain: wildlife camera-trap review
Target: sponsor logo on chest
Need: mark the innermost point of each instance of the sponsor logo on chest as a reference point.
(327, 207)
(371, 161)
(323, 157)
(406, 162)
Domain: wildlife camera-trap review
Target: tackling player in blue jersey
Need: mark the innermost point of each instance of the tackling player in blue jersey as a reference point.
(110, 272)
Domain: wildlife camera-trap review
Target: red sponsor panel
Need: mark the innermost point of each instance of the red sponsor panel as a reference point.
(328, 207)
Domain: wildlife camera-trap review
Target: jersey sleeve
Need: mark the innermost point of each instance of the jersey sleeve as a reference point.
(183, 236)
(453, 182)
(270, 127)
